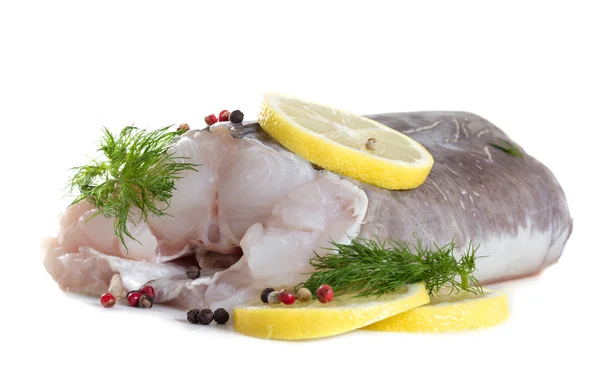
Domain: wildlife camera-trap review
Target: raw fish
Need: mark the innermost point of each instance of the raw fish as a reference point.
(254, 214)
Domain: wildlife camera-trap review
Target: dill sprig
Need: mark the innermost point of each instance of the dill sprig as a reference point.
(508, 148)
(137, 171)
(374, 268)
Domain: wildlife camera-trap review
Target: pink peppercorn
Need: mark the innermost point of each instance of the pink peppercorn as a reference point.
(287, 297)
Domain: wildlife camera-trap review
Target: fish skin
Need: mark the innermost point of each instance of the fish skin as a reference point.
(513, 208)
(474, 193)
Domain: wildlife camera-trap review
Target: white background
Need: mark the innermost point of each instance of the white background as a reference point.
(66, 69)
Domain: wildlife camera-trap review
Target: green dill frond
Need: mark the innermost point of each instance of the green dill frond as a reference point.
(508, 148)
(136, 171)
(374, 268)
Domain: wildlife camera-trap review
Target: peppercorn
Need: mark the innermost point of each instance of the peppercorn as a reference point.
(304, 295)
(224, 116)
(264, 296)
(184, 127)
(205, 316)
(211, 119)
(192, 316)
(325, 293)
(236, 116)
(145, 301)
(221, 316)
(133, 298)
(193, 272)
(371, 144)
(287, 297)
(148, 290)
(108, 300)
(274, 298)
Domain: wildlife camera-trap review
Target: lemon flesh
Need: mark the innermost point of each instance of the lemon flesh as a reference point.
(316, 320)
(345, 143)
(450, 313)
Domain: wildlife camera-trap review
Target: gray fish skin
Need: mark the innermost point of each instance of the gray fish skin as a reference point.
(514, 210)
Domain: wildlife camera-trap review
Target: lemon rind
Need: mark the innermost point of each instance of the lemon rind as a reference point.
(464, 315)
(283, 323)
(374, 170)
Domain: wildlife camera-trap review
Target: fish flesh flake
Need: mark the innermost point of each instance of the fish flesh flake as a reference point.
(254, 214)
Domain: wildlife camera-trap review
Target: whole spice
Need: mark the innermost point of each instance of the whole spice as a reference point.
(221, 316)
(274, 298)
(184, 127)
(107, 300)
(287, 297)
(148, 290)
(205, 316)
(133, 298)
(264, 296)
(210, 119)
(224, 116)
(304, 295)
(236, 116)
(371, 144)
(145, 301)
(192, 316)
(325, 293)
(193, 272)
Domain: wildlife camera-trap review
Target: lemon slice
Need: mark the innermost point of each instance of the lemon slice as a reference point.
(316, 320)
(457, 312)
(346, 143)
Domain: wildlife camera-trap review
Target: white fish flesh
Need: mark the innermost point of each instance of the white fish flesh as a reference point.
(254, 214)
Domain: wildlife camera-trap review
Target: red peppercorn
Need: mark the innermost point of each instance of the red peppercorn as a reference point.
(210, 119)
(224, 116)
(133, 298)
(287, 297)
(325, 293)
(148, 290)
(108, 300)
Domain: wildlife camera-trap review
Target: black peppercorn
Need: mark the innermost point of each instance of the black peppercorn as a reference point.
(205, 316)
(193, 272)
(145, 301)
(192, 316)
(236, 116)
(264, 296)
(221, 316)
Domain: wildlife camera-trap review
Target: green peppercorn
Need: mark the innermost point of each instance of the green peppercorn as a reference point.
(274, 298)
(193, 272)
(236, 116)
(221, 316)
(192, 316)
(145, 301)
(205, 316)
(304, 295)
(265, 294)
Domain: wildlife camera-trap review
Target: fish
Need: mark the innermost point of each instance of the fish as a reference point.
(254, 214)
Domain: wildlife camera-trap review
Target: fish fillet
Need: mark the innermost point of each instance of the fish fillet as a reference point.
(254, 214)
